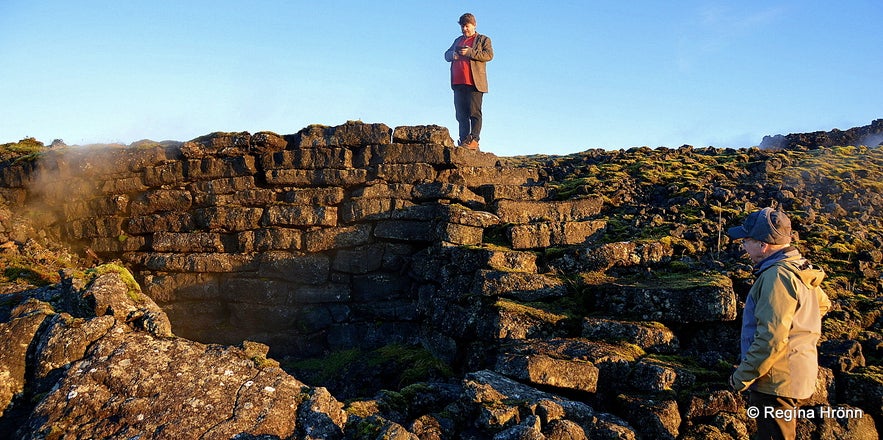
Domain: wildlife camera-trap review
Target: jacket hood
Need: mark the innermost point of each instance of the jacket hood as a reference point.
(811, 276)
(791, 259)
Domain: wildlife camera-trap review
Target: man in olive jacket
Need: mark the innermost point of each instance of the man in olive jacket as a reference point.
(468, 56)
(781, 325)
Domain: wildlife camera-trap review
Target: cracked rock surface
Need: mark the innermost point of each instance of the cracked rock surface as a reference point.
(75, 363)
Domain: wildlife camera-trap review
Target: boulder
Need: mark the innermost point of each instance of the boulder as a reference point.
(509, 319)
(218, 144)
(543, 370)
(167, 389)
(546, 234)
(841, 355)
(511, 261)
(521, 286)
(523, 212)
(423, 134)
(497, 402)
(649, 376)
(677, 299)
(651, 336)
(838, 422)
(16, 335)
(66, 340)
(494, 191)
(863, 388)
(116, 293)
(604, 365)
(104, 363)
(715, 402)
(653, 418)
(350, 134)
(602, 257)
(266, 142)
(321, 416)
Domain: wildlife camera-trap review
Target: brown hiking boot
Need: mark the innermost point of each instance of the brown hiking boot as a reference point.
(470, 143)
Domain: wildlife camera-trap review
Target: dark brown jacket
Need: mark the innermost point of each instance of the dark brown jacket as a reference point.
(480, 53)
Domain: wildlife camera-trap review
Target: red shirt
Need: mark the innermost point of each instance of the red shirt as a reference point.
(461, 72)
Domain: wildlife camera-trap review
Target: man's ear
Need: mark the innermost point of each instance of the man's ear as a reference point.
(764, 247)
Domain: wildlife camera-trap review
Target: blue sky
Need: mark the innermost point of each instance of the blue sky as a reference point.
(567, 75)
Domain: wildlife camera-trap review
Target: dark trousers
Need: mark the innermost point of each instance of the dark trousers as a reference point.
(769, 428)
(467, 105)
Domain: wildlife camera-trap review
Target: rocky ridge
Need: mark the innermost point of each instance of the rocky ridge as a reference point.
(588, 295)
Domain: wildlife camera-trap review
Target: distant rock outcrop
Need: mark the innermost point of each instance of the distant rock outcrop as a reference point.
(869, 135)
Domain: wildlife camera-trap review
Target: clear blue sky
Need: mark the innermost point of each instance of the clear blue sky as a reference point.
(567, 75)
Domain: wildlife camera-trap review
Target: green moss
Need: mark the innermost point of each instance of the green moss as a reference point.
(417, 388)
(873, 373)
(488, 246)
(365, 428)
(26, 149)
(392, 401)
(35, 269)
(632, 350)
(835, 328)
(530, 310)
(410, 364)
(685, 246)
(670, 360)
(134, 290)
(32, 276)
(619, 228)
(678, 280)
(264, 362)
(679, 266)
(419, 363)
(595, 278)
(322, 370)
(569, 188)
(362, 408)
(705, 377)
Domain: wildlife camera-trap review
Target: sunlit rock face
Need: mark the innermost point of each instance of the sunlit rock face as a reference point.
(301, 241)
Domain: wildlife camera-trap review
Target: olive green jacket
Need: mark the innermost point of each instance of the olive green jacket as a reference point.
(781, 327)
(479, 54)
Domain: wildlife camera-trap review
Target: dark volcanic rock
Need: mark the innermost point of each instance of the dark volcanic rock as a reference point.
(106, 365)
(16, 335)
(425, 134)
(171, 386)
(445, 293)
(486, 391)
(699, 300)
(871, 135)
(650, 336)
(654, 418)
(841, 356)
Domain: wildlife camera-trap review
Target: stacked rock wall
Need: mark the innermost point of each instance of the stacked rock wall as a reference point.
(301, 241)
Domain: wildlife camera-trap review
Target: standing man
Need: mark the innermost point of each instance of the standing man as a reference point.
(468, 57)
(781, 325)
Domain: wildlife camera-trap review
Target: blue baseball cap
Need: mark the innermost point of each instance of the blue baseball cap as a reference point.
(766, 225)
